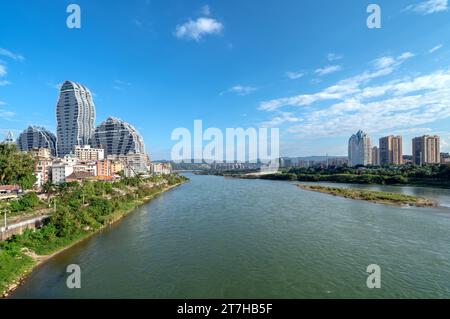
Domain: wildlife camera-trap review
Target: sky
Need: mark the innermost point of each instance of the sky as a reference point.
(311, 68)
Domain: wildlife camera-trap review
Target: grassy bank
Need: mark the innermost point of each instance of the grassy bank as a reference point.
(428, 175)
(371, 196)
(81, 211)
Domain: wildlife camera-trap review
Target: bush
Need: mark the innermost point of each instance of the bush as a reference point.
(25, 202)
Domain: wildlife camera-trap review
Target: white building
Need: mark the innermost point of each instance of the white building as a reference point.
(135, 164)
(75, 115)
(87, 153)
(60, 172)
(161, 168)
(70, 159)
(359, 149)
(88, 167)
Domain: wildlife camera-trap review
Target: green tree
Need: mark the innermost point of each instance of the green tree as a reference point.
(16, 167)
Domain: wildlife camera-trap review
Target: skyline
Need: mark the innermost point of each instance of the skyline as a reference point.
(319, 75)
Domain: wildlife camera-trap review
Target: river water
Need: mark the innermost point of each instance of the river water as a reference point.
(216, 237)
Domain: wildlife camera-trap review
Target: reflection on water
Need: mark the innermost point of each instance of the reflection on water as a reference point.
(230, 238)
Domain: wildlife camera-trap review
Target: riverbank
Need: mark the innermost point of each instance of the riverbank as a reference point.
(433, 175)
(385, 198)
(22, 254)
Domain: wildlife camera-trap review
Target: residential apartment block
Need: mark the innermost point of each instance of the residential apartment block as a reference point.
(391, 150)
(426, 150)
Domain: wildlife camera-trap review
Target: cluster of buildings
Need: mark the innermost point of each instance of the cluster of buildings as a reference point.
(425, 150)
(81, 151)
(313, 161)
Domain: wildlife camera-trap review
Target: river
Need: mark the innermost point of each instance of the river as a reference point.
(217, 237)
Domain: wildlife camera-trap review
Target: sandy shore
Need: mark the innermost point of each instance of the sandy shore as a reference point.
(376, 197)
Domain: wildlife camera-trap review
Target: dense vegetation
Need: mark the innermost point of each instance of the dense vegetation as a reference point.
(16, 167)
(81, 209)
(438, 175)
(371, 196)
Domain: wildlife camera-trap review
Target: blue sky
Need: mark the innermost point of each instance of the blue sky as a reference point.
(311, 68)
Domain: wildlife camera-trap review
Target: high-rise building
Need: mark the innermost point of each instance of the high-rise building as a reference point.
(35, 137)
(75, 116)
(359, 149)
(375, 156)
(391, 150)
(426, 150)
(9, 138)
(117, 137)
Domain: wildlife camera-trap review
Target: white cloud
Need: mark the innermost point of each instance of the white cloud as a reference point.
(438, 47)
(281, 118)
(334, 57)
(391, 62)
(428, 7)
(196, 29)
(240, 90)
(407, 103)
(4, 82)
(4, 114)
(3, 71)
(384, 62)
(399, 105)
(11, 55)
(294, 75)
(328, 70)
(338, 91)
(405, 56)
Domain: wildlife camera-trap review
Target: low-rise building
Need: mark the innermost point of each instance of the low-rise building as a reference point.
(60, 171)
(445, 158)
(42, 153)
(9, 191)
(104, 168)
(161, 168)
(79, 177)
(42, 170)
(70, 159)
(135, 164)
(116, 167)
(88, 167)
(87, 153)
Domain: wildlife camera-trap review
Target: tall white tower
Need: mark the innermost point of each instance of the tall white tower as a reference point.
(359, 149)
(9, 139)
(75, 117)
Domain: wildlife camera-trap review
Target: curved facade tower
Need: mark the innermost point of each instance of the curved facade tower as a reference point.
(75, 115)
(117, 137)
(37, 137)
(359, 149)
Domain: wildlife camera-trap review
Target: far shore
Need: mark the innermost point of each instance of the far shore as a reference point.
(386, 198)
